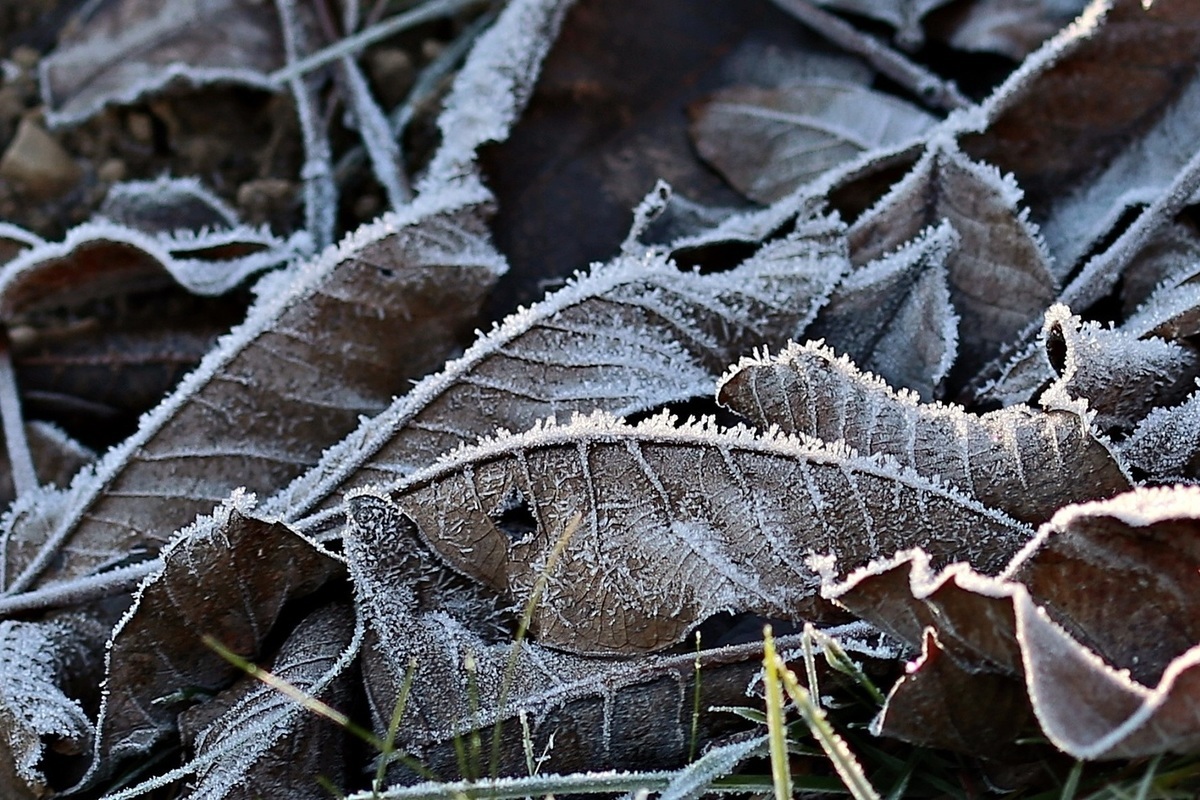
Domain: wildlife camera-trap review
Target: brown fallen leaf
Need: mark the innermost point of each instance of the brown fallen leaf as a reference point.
(999, 275)
(631, 335)
(261, 408)
(1024, 462)
(582, 713)
(157, 659)
(121, 50)
(678, 524)
(1097, 615)
(769, 142)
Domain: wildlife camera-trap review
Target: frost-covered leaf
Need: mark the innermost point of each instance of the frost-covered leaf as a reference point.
(166, 205)
(1166, 444)
(326, 342)
(1024, 462)
(999, 275)
(592, 709)
(101, 258)
(37, 661)
(678, 524)
(1097, 615)
(493, 87)
(1121, 377)
(157, 659)
(631, 335)
(768, 142)
(1001, 26)
(253, 741)
(121, 50)
(1055, 120)
(894, 315)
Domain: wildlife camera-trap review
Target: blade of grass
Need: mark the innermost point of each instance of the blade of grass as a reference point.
(781, 774)
(510, 669)
(389, 742)
(694, 737)
(835, 748)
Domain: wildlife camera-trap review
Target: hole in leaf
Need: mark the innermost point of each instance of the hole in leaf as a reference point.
(1056, 348)
(515, 518)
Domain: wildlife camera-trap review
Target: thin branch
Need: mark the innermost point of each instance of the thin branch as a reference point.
(79, 591)
(926, 85)
(352, 45)
(24, 476)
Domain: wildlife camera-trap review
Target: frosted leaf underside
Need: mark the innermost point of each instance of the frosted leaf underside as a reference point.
(1024, 462)
(630, 335)
(678, 524)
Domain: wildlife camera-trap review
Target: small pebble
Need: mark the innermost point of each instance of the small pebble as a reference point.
(112, 170)
(140, 127)
(36, 160)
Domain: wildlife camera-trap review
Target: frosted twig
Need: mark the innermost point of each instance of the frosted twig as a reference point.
(79, 591)
(930, 88)
(382, 147)
(320, 192)
(24, 476)
(422, 89)
(352, 45)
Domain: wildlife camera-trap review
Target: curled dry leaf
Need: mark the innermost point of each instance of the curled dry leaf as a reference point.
(1097, 615)
(326, 342)
(157, 659)
(1120, 376)
(1024, 462)
(254, 741)
(99, 259)
(1000, 274)
(678, 524)
(120, 50)
(769, 142)
(894, 315)
(631, 335)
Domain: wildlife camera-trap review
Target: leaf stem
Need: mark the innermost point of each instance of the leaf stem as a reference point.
(929, 87)
(24, 475)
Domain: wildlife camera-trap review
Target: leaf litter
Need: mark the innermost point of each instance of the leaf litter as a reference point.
(493, 542)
